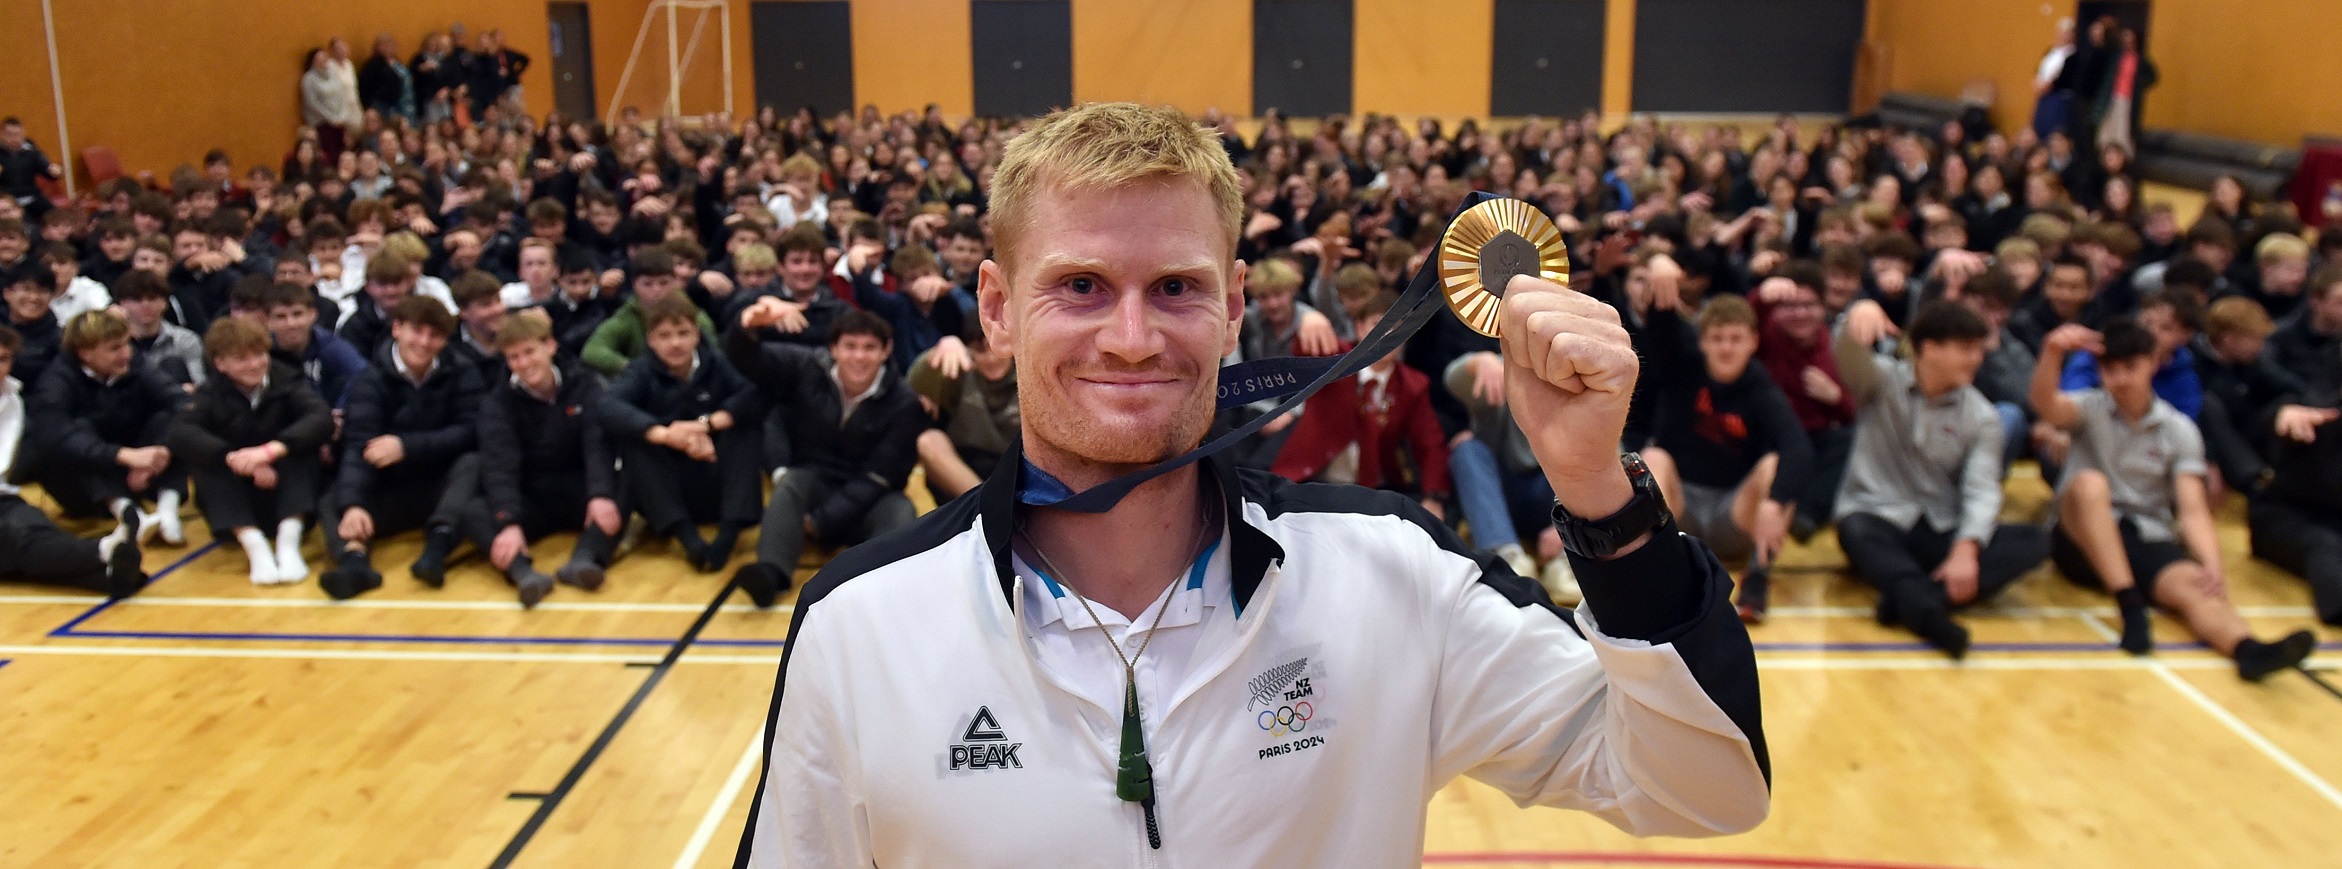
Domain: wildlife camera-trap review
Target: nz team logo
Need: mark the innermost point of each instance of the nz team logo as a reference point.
(1284, 703)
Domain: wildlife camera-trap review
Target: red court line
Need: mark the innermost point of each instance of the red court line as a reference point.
(1657, 859)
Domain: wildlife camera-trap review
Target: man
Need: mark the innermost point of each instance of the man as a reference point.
(581, 306)
(2065, 296)
(2243, 390)
(1918, 513)
(408, 424)
(329, 363)
(675, 414)
(32, 548)
(95, 429)
(28, 293)
(622, 337)
(1725, 446)
(2309, 343)
(915, 299)
(2006, 375)
(1118, 289)
(975, 415)
(21, 166)
(385, 84)
(853, 438)
(2133, 515)
(539, 275)
(544, 467)
(158, 345)
(390, 279)
(480, 313)
(1795, 350)
(250, 437)
(2173, 318)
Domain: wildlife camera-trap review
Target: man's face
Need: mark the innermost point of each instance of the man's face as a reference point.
(26, 301)
(2022, 269)
(651, 288)
(753, 279)
(1839, 287)
(245, 371)
(674, 342)
(1118, 305)
(603, 216)
(290, 324)
(1800, 317)
(801, 271)
(1276, 306)
(187, 244)
(2130, 381)
(550, 230)
(203, 203)
(1727, 348)
(1893, 275)
(1951, 362)
(294, 270)
(2239, 347)
(859, 357)
(109, 360)
(417, 344)
(578, 285)
(536, 266)
(115, 247)
(13, 246)
(2068, 290)
(483, 319)
(531, 361)
(2282, 276)
(12, 136)
(964, 253)
(2170, 333)
(388, 293)
(145, 311)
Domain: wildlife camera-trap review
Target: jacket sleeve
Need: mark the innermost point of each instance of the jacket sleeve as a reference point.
(601, 467)
(1645, 712)
(499, 460)
(808, 811)
(461, 434)
(313, 427)
(163, 399)
(622, 405)
(887, 469)
(191, 438)
(770, 365)
(51, 423)
(608, 350)
(362, 420)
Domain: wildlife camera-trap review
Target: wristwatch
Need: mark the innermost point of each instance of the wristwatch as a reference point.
(1601, 538)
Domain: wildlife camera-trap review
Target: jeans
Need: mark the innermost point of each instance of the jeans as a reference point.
(2014, 432)
(1493, 500)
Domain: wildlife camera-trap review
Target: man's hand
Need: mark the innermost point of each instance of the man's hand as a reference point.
(775, 312)
(2300, 424)
(1435, 508)
(1315, 336)
(603, 513)
(1958, 572)
(1820, 387)
(264, 477)
(1570, 371)
(2069, 338)
(509, 544)
(1867, 323)
(949, 357)
(385, 450)
(357, 525)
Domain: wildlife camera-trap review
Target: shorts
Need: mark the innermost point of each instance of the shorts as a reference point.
(2148, 558)
(1706, 513)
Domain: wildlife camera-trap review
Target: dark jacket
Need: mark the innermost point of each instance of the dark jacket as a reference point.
(2300, 351)
(368, 327)
(73, 419)
(382, 88)
(646, 394)
(915, 332)
(861, 458)
(218, 419)
(1717, 432)
(436, 422)
(329, 363)
(532, 449)
(42, 339)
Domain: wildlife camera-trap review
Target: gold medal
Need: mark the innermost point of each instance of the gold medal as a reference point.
(1488, 245)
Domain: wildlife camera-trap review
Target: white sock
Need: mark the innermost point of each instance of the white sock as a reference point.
(115, 506)
(112, 540)
(289, 564)
(256, 549)
(167, 513)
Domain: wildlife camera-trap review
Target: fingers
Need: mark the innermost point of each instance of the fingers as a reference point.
(1577, 355)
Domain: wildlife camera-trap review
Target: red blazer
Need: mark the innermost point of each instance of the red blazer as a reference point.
(1336, 417)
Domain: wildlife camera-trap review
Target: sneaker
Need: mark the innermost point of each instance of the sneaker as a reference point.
(1755, 594)
(1517, 558)
(1561, 583)
(584, 575)
(763, 583)
(352, 578)
(173, 533)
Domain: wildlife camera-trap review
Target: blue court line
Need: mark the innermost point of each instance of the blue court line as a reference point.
(184, 560)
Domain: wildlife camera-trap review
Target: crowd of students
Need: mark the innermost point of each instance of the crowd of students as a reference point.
(486, 329)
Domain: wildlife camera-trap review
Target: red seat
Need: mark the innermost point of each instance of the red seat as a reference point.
(100, 164)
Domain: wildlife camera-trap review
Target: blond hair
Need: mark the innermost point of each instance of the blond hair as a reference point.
(2280, 246)
(755, 257)
(408, 245)
(1106, 145)
(1274, 277)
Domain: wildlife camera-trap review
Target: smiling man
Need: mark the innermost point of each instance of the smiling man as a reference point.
(1226, 669)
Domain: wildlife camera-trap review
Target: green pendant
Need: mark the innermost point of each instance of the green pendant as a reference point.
(1135, 780)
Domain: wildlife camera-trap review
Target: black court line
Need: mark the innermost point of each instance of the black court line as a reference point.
(151, 579)
(2321, 680)
(552, 799)
(526, 795)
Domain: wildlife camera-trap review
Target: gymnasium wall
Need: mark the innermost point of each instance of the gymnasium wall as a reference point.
(2264, 71)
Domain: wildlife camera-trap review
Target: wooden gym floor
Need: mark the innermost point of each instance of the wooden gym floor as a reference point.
(208, 722)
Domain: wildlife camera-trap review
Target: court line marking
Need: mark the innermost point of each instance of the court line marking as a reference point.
(2030, 612)
(725, 796)
(2252, 737)
(347, 654)
(481, 605)
(451, 639)
(151, 579)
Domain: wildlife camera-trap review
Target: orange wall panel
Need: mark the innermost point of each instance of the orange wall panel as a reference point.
(1937, 48)
(908, 53)
(2265, 71)
(1192, 54)
(1418, 58)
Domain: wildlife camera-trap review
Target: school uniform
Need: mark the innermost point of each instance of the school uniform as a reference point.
(542, 459)
(75, 425)
(436, 422)
(221, 418)
(670, 489)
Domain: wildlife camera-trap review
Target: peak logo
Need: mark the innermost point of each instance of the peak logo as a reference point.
(984, 745)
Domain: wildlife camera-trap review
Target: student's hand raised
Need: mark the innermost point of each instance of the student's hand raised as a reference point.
(950, 357)
(2069, 338)
(1316, 337)
(2300, 423)
(1867, 323)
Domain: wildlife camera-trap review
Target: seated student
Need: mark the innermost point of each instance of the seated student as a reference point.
(1894, 274)
(2174, 319)
(320, 356)
(156, 344)
(200, 277)
(2133, 514)
(683, 422)
(1374, 429)
(915, 299)
(804, 281)
(540, 275)
(28, 293)
(116, 238)
(32, 548)
(1275, 324)
(1725, 447)
(2065, 296)
(544, 466)
(415, 252)
(975, 414)
(2006, 376)
(480, 312)
(2296, 517)
(581, 306)
(250, 438)
(1795, 349)
(1497, 479)
(757, 271)
(1918, 513)
(294, 269)
(75, 293)
(2242, 391)
(410, 418)
(2281, 261)
(621, 338)
(365, 323)
(2309, 343)
(95, 426)
(853, 430)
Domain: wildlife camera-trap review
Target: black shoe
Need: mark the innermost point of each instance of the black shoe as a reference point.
(1941, 632)
(124, 574)
(2138, 631)
(581, 574)
(719, 550)
(352, 577)
(1755, 594)
(431, 567)
(1803, 528)
(2255, 660)
(1885, 613)
(763, 582)
(533, 586)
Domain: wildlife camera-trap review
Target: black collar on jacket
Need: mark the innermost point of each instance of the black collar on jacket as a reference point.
(1249, 553)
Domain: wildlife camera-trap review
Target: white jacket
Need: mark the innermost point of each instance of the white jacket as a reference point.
(915, 730)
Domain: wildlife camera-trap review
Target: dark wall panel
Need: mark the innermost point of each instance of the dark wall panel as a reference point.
(804, 55)
(1745, 55)
(1023, 52)
(1301, 56)
(1547, 58)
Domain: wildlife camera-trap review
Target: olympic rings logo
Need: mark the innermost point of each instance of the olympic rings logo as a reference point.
(1286, 719)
